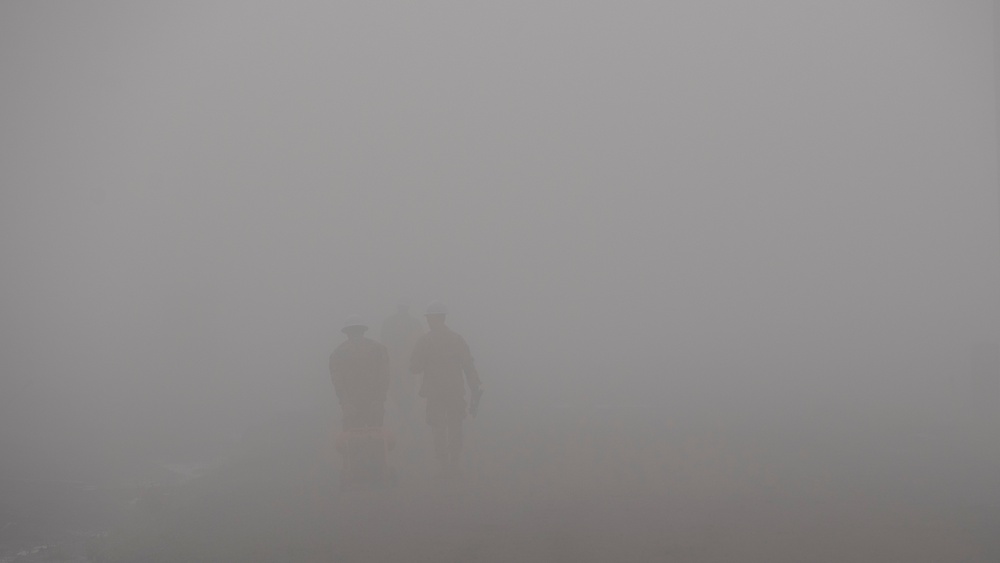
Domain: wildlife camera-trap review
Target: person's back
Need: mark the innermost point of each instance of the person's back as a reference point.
(359, 368)
(444, 359)
(399, 333)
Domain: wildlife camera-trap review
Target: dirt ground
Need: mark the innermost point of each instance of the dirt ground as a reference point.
(466, 523)
(578, 488)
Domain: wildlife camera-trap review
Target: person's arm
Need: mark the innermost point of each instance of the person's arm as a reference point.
(337, 376)
(384, 370)
(469, 368)
(418, 358)
(418, 365)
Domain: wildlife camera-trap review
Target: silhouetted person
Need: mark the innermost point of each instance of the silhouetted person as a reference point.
(359, 368)
(443, 357)
(400, 333)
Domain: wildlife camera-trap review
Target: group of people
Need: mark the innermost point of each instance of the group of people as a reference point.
(435, 365)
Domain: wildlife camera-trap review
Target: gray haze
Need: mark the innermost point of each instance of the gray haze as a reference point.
(732, 210)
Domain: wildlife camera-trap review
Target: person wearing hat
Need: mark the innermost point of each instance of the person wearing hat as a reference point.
(444, 359)
(400, 333)
(359, 368)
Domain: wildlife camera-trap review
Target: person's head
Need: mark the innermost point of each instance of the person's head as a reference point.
(354, 327)
(435, 314)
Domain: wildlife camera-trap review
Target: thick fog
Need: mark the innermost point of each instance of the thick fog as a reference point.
(731, 214)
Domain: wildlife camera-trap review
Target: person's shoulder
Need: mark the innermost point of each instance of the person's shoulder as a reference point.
(339, 351)
(423, 338)
(456, 337)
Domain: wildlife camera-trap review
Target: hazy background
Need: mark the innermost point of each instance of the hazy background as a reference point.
(697, 207)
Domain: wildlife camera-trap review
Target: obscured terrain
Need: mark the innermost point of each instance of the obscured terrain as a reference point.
(570, 483)
(729, 271)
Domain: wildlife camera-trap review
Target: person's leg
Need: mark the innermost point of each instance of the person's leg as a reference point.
(411, 436)
(455, 446)
(440, 432)
(438, 429)
(350, 422)
(349, 419)
(377, 415)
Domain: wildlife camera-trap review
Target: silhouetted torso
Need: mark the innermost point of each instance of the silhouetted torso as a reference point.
(360, 372)
(443, 357)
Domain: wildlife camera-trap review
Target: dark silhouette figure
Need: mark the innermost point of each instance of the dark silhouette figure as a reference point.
(444, 359)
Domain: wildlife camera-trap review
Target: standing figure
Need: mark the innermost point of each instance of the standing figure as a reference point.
(443, 357)
(400, 333)
(359, 368)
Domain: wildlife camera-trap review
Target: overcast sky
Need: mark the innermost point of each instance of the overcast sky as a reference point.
(734, 201)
